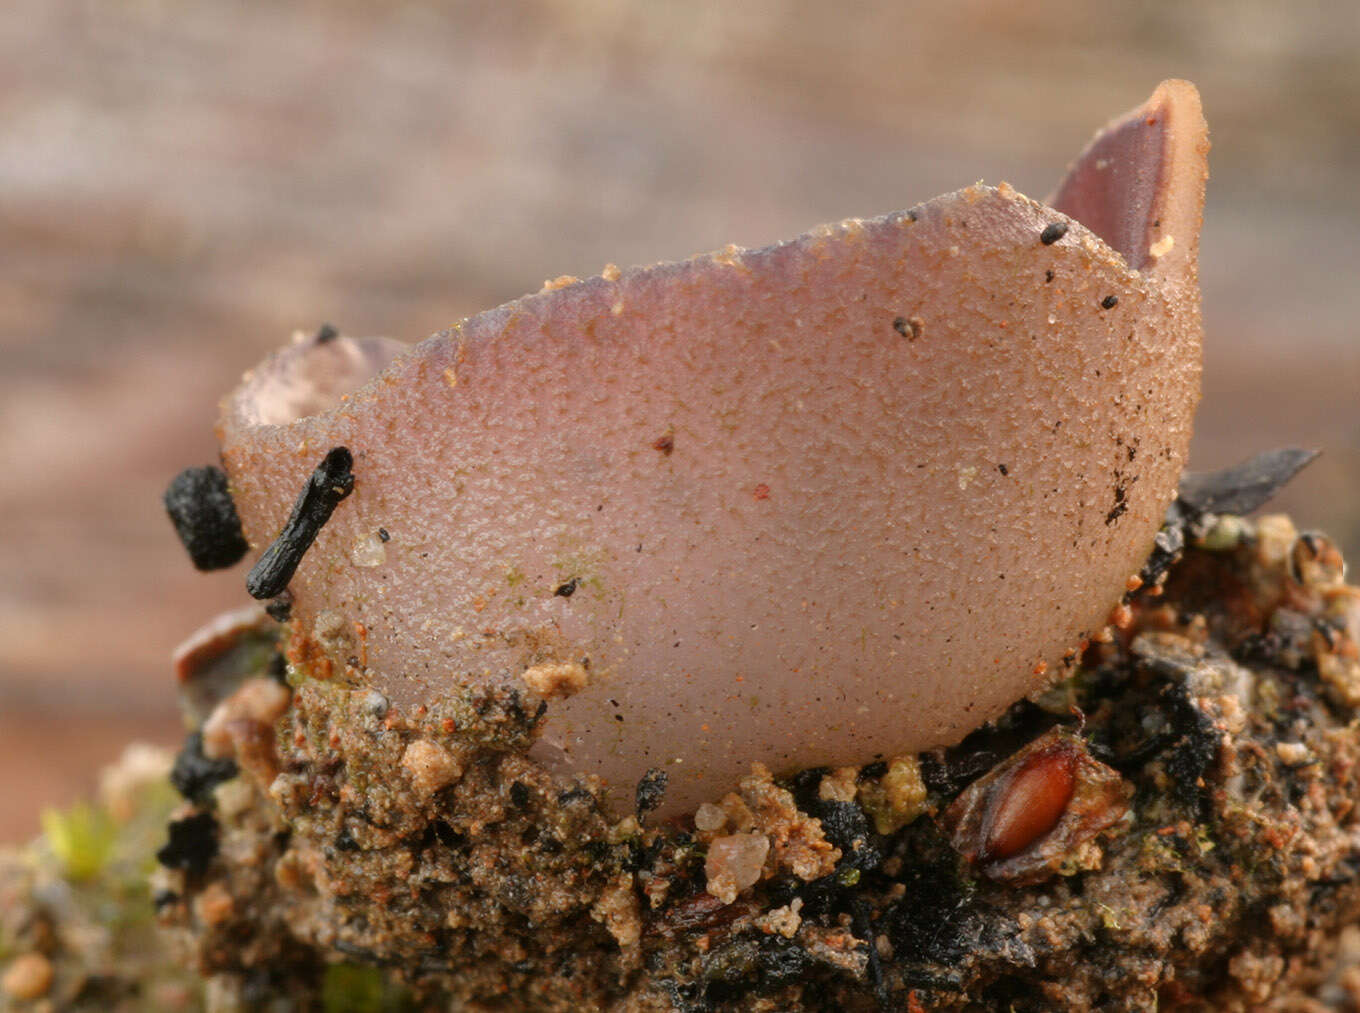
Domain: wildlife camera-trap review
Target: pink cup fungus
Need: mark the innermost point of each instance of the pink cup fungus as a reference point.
(845, 497)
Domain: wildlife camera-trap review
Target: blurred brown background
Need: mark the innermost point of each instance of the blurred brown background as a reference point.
(183, 183)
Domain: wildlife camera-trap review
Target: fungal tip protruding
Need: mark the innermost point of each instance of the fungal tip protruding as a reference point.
(1139, 184)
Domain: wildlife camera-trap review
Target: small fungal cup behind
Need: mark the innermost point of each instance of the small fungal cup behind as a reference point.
(842, 498)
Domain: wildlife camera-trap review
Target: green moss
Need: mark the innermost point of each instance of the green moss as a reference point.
(83, 839)
(350, 989)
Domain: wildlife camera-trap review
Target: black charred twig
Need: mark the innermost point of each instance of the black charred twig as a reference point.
(331, 482)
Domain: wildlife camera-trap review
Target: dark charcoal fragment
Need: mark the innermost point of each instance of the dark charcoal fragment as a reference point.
(687, 998)
(872, 771)
(162, 899)
(948, 771)
(200, 506)
(277, 668)
(325, 334)
(1196, 747)
(746, 965)
(937, 926)
(194, 775)
(781, 961)
(1167, 546)
(863, 924)
(1052, 233)
(805, 784)
(330, 483)
(192, 844)
(280, 607)
(1243, 487)
(847, 827)
(651, 789)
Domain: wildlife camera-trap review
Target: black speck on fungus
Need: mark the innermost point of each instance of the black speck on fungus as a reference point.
(909, 327)
(1052, 233)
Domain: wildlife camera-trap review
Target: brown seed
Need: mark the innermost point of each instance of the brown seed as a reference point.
(1028, 804)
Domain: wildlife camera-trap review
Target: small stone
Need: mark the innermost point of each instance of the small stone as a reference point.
(1275, 537)
(375, 703)
(328, 626)
(368, 550)
(28, 977)
(839, 785)
(1292, 753)
(709, 817)
(556, 679)
(784, 921)
(617, 910)
(233, 799)
(430, 766)
(214, 905)
(734, 864)
(259, 702)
